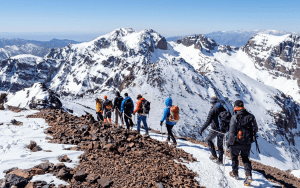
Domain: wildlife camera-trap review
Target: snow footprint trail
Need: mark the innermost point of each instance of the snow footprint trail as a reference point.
(14, 139)
(210, 173)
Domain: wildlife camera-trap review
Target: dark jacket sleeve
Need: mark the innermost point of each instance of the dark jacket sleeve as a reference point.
(255, 126)
(208, 120)
(114, 104)
(232, 131)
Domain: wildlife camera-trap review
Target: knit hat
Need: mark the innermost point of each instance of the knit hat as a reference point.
(239, 103)
(213, 100)
(126, 94)
(105, 97)
(139, 96)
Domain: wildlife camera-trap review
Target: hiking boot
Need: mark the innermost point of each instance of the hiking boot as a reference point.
(220, 162)
(174, 144)
(248, 180)
(138, 131)
(147, 133)
(213, 158)
(235, 176)
(168, 140)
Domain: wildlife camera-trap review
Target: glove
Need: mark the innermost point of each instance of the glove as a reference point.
(161, 123)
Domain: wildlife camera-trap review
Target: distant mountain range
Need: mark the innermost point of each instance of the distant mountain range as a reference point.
(236, 38)
(13, 47)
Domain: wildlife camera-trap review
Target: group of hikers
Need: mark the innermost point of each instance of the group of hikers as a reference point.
(241, 127)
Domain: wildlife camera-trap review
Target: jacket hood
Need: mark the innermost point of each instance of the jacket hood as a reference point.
(142, 99)
(168, 102)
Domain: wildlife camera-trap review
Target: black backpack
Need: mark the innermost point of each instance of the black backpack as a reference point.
(128, 106)
(107, 104)
(245, 128)
(119, 102)
(224, 118)
(145, 106)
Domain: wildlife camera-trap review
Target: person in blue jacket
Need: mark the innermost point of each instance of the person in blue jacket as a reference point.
(169, 124)
(127, 107)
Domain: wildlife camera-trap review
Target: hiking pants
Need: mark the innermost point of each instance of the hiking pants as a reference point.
(107, 114)
(128, 120)
(99, 116)
(210, 137)
(117, 116)
(139, 119)
(235, 150)
(170, 133)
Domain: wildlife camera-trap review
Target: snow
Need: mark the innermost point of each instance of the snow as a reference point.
(296, 173)
(14, 139)
(269, 40)
(49, 178)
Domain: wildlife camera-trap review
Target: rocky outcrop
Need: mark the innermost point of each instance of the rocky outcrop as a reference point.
(199, 41)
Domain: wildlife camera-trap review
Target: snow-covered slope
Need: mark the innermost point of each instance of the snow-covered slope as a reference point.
(189, 70)
(272, 60)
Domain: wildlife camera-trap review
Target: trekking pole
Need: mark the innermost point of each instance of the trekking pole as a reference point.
(224, 160)
(161, 133)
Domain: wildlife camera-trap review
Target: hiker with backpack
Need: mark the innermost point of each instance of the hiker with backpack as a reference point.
(117, 108)
(127, 107)
(99, 109)
(171, 115)
(242, 132)
(143, 109)
(213, 121)
(106, 107)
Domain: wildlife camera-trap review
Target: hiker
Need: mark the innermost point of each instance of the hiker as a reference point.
(99, 109)
(169, 121)
(106, 107)
(142, 108)
(127, 107)
(117, 108)
(213, 121)
(242, 130)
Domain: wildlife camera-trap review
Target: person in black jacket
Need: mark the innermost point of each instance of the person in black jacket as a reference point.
(242, 130)
(117, 107)
(212, 119)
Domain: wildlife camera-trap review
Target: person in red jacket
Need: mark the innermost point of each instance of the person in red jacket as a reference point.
(141, 116)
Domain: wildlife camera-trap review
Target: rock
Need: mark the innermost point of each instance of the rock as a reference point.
(108, 146)
(63, 174)
(10, 170)
(131, 145)
(16, 180)
(80, 175)
(45, 166)
(36, 148)
(60, 165)
(104, 182)
(64, 158)
(30, 185)
(1, 107)
(38, 171)
(31, 145)
(22, 173)
(91, 178)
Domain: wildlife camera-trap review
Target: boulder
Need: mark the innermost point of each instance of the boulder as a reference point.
(13, 179)
(80, 175)
(105, 182)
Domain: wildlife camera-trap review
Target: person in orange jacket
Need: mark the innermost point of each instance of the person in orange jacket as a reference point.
(106, 107)
(141, 115)
(99, 109)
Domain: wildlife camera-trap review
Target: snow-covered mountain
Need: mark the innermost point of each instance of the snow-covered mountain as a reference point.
(13, 47)
(239, 38)
(190, 70)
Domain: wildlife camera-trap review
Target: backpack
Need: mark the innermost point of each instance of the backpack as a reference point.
(145, 107)
(119, 102)
(174, 114)
(128, 106)
(107, 104)
(224, 118)
(245, 129)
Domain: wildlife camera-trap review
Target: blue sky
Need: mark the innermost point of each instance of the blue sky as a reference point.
(170, 18)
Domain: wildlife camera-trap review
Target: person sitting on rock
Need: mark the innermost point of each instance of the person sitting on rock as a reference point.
(127, 107)
(106, 108)
(99, 109)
